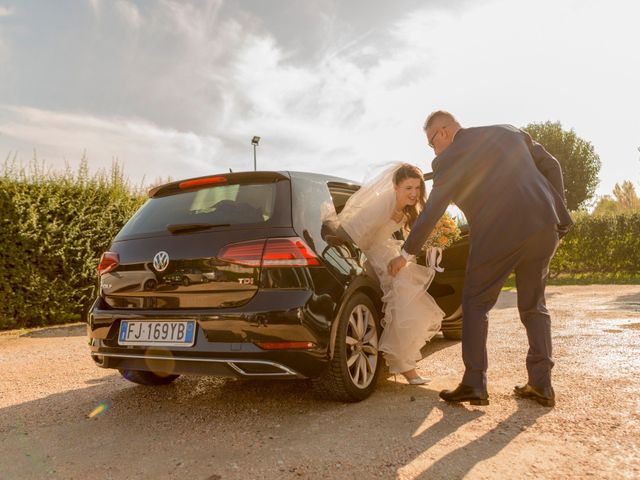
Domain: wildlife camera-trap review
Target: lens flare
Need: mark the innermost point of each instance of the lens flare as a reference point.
(99, 410)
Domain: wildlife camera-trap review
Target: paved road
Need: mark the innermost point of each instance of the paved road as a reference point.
(211, 428)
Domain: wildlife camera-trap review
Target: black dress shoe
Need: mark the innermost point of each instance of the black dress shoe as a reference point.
(546, 398)
(465, 393)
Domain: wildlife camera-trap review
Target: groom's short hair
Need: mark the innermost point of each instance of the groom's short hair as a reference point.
(439, 115)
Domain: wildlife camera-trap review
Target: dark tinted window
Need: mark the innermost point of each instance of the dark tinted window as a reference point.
(340, 193)
(233, 204)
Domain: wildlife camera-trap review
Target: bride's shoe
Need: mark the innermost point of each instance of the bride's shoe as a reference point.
(418, 380)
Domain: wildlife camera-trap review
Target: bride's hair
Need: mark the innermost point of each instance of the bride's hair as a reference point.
(403, 172)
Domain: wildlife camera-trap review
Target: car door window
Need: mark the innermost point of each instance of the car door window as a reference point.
(452, 209)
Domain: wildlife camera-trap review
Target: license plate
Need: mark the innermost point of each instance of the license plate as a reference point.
(167, 333)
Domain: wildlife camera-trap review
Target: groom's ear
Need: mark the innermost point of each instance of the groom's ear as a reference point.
(448, 135)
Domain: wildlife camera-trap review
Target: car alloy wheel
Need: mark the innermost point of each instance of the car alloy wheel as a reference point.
(362, 346)
(353, 368)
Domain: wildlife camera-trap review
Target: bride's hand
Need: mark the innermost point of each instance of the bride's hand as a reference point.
(396, 265)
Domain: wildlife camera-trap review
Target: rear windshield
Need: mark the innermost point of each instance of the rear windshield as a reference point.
(219, 205)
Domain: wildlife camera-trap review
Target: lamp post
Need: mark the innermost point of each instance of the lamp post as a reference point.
(254, 141)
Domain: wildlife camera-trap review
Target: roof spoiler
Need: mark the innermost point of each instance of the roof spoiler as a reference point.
(207, 181)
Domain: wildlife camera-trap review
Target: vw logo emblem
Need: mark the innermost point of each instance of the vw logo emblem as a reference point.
(161, 261)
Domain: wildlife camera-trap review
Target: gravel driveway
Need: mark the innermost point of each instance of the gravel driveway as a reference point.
(212, 428)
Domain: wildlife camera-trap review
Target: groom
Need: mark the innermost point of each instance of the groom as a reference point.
(511, 191)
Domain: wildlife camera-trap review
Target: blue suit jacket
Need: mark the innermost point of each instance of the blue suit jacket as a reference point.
(508, 186)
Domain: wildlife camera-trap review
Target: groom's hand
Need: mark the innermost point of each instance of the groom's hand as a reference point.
(396, 265)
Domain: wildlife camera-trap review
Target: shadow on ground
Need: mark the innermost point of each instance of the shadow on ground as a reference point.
(214, 425)
(459, 462)
(75, 330)
(628, 302)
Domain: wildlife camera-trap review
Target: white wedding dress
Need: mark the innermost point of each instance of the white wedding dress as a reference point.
(411, 315)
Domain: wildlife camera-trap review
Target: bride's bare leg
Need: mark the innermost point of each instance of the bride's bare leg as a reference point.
(409, 374)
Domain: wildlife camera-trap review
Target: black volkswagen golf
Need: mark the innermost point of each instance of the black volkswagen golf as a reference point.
(236, 275)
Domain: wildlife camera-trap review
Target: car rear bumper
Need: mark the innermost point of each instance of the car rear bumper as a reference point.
(165, 363)
(226, 342)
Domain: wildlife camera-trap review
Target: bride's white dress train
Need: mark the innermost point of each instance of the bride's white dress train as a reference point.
(411, 315)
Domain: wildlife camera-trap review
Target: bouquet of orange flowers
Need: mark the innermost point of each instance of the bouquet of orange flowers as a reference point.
(444, 234)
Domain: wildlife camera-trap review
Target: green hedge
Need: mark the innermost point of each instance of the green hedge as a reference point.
(602, 244)
(53, 229)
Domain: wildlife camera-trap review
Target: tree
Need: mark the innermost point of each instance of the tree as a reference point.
(626, 196)
(579, 162)
(606, 206)
(625, 200)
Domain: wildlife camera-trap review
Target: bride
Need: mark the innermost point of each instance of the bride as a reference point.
(389, 203)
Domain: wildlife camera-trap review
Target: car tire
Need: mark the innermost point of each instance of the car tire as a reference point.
(147, 378)
(185, 281)
(352, 373)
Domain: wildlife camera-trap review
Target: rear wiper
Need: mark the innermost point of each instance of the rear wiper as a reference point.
(192, 227)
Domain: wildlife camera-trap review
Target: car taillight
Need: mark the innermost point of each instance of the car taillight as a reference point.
(108, 262)
(288, 252)
(274, 252)
(202, 182)
(244, 253)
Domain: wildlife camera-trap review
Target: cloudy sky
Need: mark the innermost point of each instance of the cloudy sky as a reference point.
(178, 88)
